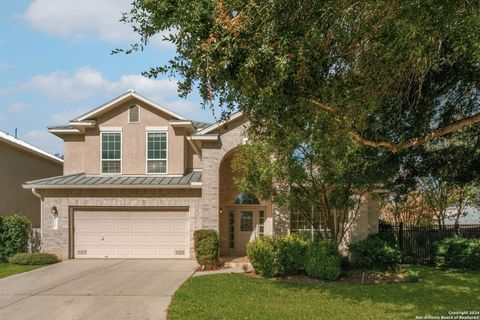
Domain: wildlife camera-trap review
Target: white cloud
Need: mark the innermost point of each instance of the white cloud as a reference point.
(17, 107)
(80, 19)
(77, 20)
(61, 118)
(44, 140)
(87, 82)
(4, 65)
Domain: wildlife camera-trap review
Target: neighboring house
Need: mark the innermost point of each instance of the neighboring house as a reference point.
(471, 216)
(20, 161)
(139, 179)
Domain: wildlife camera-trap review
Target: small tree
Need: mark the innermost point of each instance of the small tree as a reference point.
(309, 178)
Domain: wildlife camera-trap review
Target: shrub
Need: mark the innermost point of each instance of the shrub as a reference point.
(387, 232)
(14, 234)
(412, 275)
(207, 244)
(33, 258)
(323, 260)
(458, 252)
(291, 251)
(374, 253)
(262, 254)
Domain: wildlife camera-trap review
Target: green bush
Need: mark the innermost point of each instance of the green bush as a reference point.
(291, 251)
(262, 254)
(33, 258)
(207, 245)
(323, 260)
(14, 234)
(374, 253)
(412, 275)
(458, 252)
(387, 232)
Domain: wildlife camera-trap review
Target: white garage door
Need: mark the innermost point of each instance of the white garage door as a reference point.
(131, 234)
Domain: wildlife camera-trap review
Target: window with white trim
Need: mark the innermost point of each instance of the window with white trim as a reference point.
(111, 152)
(134, 114)
(157, 152)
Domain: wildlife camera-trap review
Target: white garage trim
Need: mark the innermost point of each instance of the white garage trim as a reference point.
(125, 232)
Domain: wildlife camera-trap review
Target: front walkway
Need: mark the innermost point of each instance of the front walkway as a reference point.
(94, 289)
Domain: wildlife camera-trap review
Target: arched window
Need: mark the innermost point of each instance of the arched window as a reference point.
(246, 198)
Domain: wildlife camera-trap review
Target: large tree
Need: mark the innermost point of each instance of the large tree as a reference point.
(356, 85)
(393, 75)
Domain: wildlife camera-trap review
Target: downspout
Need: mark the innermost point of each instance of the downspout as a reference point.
(195, 147)
(38, 195)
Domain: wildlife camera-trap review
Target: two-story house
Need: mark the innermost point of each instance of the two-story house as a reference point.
(139, 179)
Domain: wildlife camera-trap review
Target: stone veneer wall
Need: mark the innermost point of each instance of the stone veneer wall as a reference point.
(228, 191)
(212, 156)
(365, 223)
(57, 241)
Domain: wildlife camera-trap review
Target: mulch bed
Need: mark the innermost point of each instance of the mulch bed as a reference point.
(211, 268)
(347, 278)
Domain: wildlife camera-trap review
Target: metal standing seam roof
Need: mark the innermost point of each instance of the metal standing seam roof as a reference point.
(81, 180)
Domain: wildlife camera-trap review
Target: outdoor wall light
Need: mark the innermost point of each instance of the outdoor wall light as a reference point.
(220, 211)
(54, 211)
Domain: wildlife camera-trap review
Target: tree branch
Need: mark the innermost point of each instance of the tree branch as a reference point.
(440, 132)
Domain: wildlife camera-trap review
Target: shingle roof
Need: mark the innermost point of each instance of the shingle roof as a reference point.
(81, 180)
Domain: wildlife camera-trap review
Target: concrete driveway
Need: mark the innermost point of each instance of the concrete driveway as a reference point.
(94, 289)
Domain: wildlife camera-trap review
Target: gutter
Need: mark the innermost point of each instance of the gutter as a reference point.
(195, 147)
(38, 195)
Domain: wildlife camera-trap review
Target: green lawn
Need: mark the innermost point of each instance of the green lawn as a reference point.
(228, 296)
(7, 269)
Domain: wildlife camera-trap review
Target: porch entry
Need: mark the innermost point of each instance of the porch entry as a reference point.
(245, 223)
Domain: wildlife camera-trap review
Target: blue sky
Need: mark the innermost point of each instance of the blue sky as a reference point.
(55, 64)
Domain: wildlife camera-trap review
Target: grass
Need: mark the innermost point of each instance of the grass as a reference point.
(230, 296)
(8, 269)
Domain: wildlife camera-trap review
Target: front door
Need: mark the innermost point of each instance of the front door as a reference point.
(246, 224)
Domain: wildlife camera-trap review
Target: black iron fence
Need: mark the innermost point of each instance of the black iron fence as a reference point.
(417, 244)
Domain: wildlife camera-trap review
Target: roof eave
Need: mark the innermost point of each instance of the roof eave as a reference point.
(210, 137)
(103, 186)
(218, 124)
(31, 149)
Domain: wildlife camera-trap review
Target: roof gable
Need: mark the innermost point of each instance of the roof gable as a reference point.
(119, 101)
(218, 124)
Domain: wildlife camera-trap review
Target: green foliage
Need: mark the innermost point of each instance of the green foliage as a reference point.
(374, 253)
(387, 233)
(342, 85)
(291, 252)
(14, 234)
(207, 245)
(412, 275)
(33, 258)
(458, 252)
(262, 253)
(323, 260)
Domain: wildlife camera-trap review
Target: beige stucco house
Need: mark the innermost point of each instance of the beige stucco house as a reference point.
(19, 162)
(139, 179)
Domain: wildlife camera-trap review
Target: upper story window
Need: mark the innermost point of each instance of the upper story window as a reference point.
(157, 152)
(134, 114)
(111, 152)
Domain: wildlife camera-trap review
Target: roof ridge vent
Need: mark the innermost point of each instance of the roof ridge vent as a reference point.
(131, 91)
